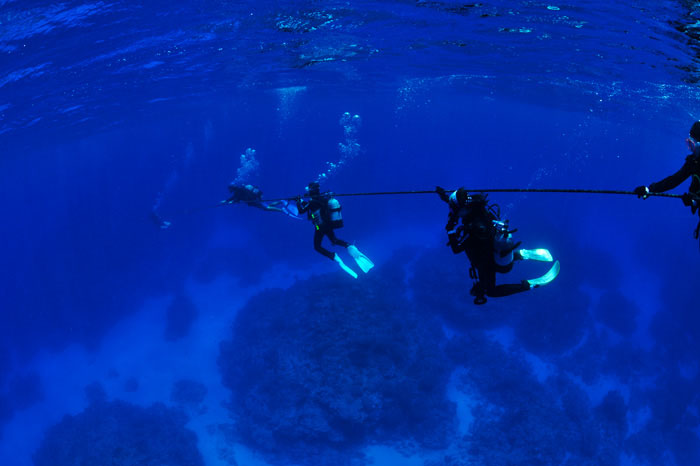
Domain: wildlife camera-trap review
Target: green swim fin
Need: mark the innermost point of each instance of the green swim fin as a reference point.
(542, 255)
(546, 278)
(342, 265)
(362, 261)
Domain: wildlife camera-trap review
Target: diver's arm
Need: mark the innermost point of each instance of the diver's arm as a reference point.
(442, 193)
(453, 240)
(303, 206)
(452, 221)
(674, 180)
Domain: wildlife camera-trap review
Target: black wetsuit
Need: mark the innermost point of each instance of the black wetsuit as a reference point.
(318, 205)
(476, 238)
(252, 197)
(691, 168)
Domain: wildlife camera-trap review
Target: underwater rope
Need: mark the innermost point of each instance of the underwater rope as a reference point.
(432, 191)
(498, 190)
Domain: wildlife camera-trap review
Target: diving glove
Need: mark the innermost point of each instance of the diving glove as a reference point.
(642, 192)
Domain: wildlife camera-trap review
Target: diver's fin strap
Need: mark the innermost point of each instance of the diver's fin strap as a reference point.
(546, 278)
(542, 255)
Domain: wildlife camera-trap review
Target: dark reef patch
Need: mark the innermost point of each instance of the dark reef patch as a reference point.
(95, 393)
(25, 390)
(519, 420)
(321, 369)
(120, 434)
(188, 394)
(21, 391)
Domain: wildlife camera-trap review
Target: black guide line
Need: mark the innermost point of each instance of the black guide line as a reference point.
(499, 190)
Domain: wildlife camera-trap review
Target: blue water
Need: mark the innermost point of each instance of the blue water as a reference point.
(226, 339)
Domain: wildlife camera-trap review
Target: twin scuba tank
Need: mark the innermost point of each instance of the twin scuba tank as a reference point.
(502, 243)
(327, 213)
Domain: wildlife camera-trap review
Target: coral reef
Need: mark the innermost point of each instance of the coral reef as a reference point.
(19, 392)
(95, 393)
(519, 420)
(329, 366)
(24, 390)
(120, 434)
(187, 392)
(322, 368)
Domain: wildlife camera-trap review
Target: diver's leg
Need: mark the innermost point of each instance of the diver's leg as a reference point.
(276, 206)
(488, 278)
(318, 237)
(332, 256)
(335, 240)
(507, 290)
(485, 279)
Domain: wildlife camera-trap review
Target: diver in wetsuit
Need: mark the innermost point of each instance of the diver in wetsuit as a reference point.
(252, 196)
(324, 212)
(691, 168)
(488, 243)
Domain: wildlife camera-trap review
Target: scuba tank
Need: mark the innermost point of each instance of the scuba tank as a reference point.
(335, 218)
(503, 246)
(327, 211)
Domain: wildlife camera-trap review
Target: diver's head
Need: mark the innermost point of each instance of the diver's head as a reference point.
(694, 140)
(695, 131)
(462, 196)
(313, 188)
(232, 186)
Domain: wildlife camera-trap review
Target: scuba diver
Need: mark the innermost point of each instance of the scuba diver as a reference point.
(252, 196)
(158, 220)
(324, 212)
(488, 243)
(691, 168)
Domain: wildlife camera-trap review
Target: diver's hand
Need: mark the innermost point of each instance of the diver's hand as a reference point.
(442, 193)
(642, 192)
(689, 199)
